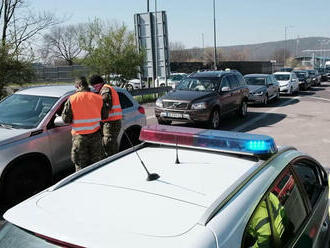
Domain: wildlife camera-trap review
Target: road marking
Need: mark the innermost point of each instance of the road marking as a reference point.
(258, 118)
(319, 98)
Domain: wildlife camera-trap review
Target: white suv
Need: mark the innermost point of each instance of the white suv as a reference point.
(183, 187)
(34, 148)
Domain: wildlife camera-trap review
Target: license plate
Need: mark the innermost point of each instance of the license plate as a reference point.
(171, 115)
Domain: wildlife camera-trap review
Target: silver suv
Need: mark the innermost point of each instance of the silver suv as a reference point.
(34, 148)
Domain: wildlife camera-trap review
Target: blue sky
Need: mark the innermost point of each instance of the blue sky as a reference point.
(238, 21)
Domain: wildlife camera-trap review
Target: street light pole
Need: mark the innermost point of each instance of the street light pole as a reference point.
(148, 6)
(215, 38)
(285, 43)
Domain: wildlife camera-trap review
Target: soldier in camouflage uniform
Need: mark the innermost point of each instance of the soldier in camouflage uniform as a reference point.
(86, 148)
(111, 128)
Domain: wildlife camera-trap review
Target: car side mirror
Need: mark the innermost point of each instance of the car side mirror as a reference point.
(58, 122)
(225, 89)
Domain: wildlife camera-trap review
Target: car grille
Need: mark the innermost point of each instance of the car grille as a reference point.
(175, 105)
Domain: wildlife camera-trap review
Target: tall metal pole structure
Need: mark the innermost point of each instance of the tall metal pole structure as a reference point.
(203, 48)
(215, 38)
(148, 6)
(284, 45)
(156, 43)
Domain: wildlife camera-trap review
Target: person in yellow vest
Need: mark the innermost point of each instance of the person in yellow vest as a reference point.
(260, 229)
(112, 124)
(84, 110)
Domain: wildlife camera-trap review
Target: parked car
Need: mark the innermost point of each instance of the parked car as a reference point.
(34, 147)
(316, 77)
(203, 188)
(134, 84)
(204, 97)
(262, 88)
(288, 81)
(305, 79)
(173, 80)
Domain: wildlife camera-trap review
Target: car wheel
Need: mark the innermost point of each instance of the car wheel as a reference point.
(214, 121)
(242, 111)
(162, 85)
(129, 87)
(25, 179)
(163, 122)
(291, 91)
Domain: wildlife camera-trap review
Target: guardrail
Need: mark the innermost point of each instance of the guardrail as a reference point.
(148, 91)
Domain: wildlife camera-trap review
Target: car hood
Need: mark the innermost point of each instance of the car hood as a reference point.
(11, 135)
(283, 82)
(256, 88)
(187, 95)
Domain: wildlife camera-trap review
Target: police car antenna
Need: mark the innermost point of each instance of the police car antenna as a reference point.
(151, 176)
(177, 152)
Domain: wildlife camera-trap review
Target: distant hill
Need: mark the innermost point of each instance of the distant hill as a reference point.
(262, 51)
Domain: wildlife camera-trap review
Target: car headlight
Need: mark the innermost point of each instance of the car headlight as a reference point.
(199, 105)
(159, 103)
(259, 93)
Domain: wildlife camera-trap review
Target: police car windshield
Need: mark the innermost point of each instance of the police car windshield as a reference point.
(197, 84)
(25, 111)
(12, 236)
(255, 80)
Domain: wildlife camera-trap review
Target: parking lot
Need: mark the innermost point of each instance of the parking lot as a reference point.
(301, 121)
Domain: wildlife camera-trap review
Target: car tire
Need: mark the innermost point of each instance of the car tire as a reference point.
(26, 178)
(214, 121)
(242, 111)
(163, 122)
(129, 87)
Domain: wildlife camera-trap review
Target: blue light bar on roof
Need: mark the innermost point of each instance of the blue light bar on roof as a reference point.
(253, 144)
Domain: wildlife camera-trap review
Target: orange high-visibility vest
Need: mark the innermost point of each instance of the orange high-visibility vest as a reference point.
(86, 108)
(115, 112)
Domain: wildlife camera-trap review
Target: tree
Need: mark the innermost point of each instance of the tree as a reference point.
(178, 53)
(19, 24)
(112, 51)
(13, 70)
(278, 55)
(63, 43)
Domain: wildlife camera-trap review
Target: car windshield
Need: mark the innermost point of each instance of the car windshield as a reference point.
(313, 73)
(282, 77)
(197, 84)
(255, 80)
(26, 111)
(301, 75)
(12, 236)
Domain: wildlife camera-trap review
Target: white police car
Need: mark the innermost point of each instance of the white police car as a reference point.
(204, 188)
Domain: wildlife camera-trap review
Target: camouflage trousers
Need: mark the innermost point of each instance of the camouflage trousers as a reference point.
(87, 149)
(111, 131)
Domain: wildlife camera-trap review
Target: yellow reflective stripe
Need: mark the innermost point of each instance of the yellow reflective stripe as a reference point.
(86, 120)
(86, 128)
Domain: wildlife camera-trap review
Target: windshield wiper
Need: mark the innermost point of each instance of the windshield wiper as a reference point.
(7, 126)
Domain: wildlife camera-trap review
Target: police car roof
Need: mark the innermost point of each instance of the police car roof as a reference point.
(115, 199)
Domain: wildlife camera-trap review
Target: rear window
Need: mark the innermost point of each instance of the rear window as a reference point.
(13, 236)
(255, 80)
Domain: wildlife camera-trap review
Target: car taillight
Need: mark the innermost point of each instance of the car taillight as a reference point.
(141, 110)
(58, 242)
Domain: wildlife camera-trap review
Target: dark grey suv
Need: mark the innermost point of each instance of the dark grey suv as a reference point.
(204, 97)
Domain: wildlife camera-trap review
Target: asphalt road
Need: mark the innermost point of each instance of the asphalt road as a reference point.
(302, 121)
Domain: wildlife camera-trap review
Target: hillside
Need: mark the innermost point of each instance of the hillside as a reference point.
(259, 52)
